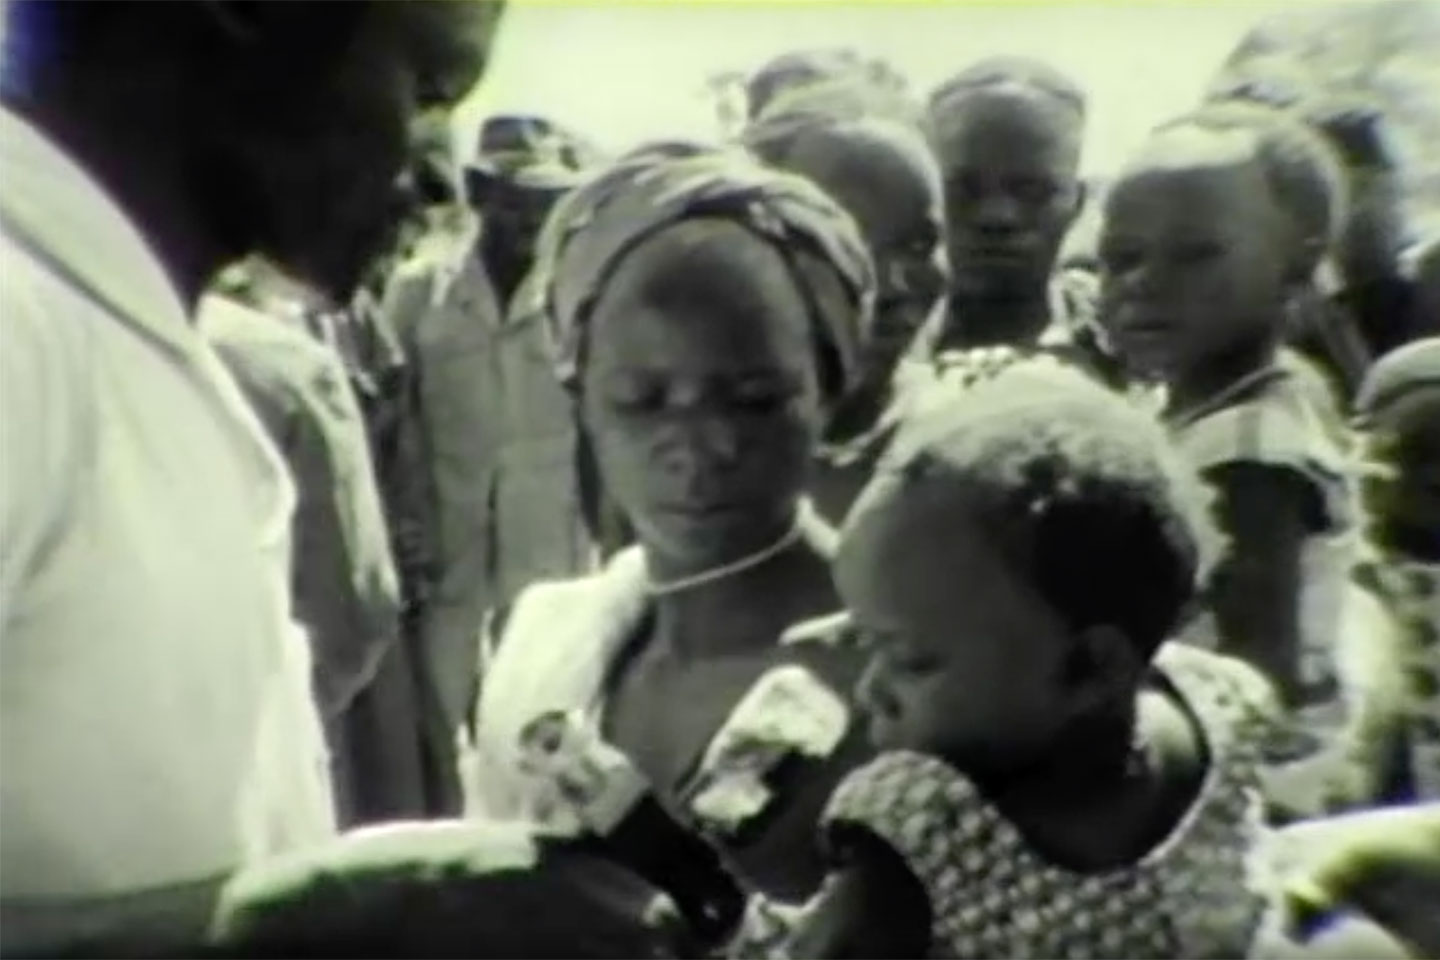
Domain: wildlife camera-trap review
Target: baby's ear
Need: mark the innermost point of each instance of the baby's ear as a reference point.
(1103, 664)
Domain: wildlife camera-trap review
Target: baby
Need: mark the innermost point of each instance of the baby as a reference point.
(1054, 779)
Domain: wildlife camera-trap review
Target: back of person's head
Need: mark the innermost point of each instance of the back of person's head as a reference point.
(1086, 499)
(1302, 172)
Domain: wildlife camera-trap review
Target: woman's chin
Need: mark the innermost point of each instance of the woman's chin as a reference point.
(712, 537)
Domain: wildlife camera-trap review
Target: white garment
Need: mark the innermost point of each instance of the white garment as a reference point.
(155, 710)
(560, 641)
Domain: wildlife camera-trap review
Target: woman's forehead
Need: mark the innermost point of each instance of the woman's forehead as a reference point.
(709, 282)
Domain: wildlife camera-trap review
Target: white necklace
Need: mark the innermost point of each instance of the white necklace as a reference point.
(733, 567)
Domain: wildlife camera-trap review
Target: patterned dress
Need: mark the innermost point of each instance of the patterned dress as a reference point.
(992, 895)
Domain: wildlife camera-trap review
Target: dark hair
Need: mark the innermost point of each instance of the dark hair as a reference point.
(1081, 490)
(1034, 76)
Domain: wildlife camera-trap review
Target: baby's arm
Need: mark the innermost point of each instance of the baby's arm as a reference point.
(870, 906)
(1255, 593)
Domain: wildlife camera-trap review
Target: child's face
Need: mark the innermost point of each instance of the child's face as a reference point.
(887, 180)
(1193, 253)
(1010, 162)
(966, 660)
(1405, 441)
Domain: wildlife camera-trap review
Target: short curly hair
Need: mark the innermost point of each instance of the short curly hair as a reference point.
(1035, 76)
(1080, 487)
(1303, 171)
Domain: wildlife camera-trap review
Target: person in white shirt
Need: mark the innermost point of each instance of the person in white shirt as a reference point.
(157, 729)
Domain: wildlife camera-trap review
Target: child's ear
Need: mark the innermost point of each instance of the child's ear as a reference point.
(1103, 665)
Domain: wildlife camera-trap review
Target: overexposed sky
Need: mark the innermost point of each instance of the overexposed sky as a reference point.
(624, 72)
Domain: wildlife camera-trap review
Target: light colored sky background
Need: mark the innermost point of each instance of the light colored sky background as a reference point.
(624, 72)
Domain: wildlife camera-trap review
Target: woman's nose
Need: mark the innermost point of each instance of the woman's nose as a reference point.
(699, 447)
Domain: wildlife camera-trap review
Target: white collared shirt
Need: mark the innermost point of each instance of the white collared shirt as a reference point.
(156, 720)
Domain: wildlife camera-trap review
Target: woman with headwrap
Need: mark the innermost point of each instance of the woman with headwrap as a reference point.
(862, 144)
(708, 314)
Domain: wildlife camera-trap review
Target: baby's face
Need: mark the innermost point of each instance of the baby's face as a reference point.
(1405, 445)
(1193, 254)
(966, 660)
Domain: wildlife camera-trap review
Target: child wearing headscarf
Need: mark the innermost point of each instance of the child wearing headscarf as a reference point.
(1399, 410)
(1055, 779)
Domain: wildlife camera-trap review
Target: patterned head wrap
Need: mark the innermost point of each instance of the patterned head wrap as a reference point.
(657, 186)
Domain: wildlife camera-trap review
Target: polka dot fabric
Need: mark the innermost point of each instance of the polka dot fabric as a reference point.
(991, 895)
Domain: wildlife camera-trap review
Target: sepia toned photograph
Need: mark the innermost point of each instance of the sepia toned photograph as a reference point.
(720, 479)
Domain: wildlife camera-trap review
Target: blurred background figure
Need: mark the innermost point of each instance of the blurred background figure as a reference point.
(345, 593)
(798, 69)
(492, 435)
